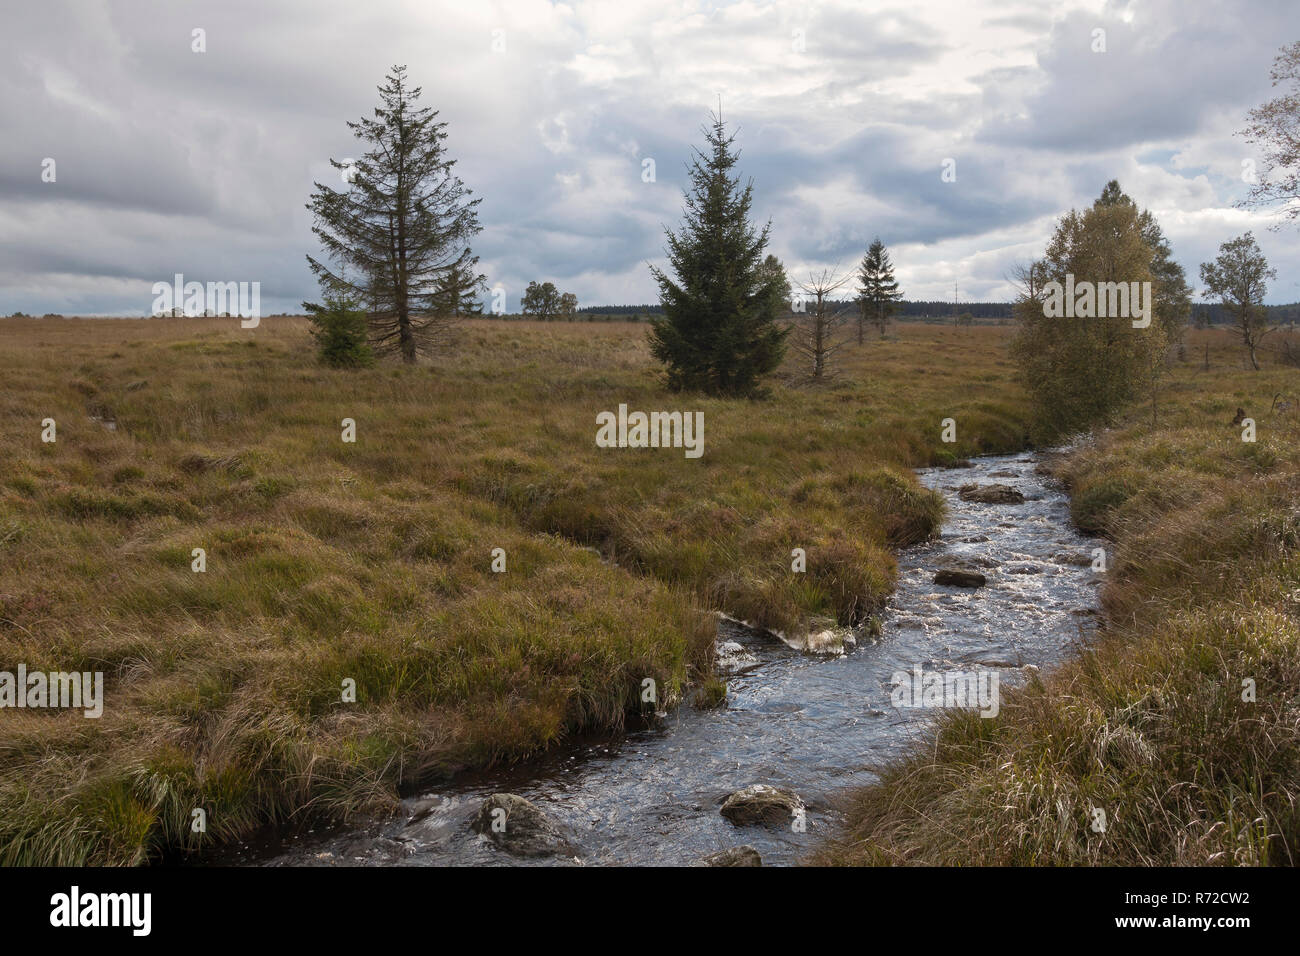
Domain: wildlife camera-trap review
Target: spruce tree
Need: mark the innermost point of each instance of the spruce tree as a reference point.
(459, 291)
(878, 291)
(339, 328)
(401, 230)
(718, 333)
(784, 290)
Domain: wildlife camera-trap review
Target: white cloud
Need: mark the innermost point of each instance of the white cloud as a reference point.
(172, 161)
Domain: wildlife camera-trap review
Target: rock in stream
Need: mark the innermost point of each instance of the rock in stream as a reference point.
(995, 494)
(517, 826)
(761, 804)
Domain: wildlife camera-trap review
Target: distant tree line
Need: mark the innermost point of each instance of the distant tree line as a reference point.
(940, 309)
(1215, 313)
(1203, 313)
(903, 308)
(655, 309)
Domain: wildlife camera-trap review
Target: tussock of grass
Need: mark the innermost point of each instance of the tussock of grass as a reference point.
(371, 562)
(1148, 724)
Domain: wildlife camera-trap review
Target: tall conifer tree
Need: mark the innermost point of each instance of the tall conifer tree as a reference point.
(877, 290)
(399, 235)
(718, 333)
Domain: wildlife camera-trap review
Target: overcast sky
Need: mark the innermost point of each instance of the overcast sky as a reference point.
(169, 160)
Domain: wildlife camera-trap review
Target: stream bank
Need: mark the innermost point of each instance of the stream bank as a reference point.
(812, 724)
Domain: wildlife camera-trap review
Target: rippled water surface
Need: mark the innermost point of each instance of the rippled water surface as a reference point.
(811, 724)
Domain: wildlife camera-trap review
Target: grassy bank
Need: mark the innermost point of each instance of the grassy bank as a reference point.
(371, 561)
(1149, 724)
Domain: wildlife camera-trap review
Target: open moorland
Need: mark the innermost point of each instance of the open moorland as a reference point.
(328, 565)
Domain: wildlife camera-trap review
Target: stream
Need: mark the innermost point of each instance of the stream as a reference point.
(808, 723)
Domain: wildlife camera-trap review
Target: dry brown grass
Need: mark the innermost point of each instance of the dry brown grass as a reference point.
(1149, 725)
(371, 561)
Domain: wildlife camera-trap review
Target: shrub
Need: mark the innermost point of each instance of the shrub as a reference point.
(339, 329)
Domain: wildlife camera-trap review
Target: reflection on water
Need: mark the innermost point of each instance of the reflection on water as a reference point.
(811, 724)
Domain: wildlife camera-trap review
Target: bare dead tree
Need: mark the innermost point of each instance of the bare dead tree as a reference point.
(1030, 277)
(817, 331)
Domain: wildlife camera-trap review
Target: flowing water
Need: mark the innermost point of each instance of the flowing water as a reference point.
(812, 724)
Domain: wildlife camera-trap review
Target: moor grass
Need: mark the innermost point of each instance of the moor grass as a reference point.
(1181, 721)
(371, 561)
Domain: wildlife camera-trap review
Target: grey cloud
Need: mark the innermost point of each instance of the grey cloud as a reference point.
(1159, 77)
(201, 163)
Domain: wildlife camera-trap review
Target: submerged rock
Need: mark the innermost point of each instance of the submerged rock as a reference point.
(732, 655)
(517, 826)
(821, 635)
(422, 809)
(1076, 559)
(832, 640)
(960, 578)
(966, 562)
(761, 804)
(996, 494)
(735, 856)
